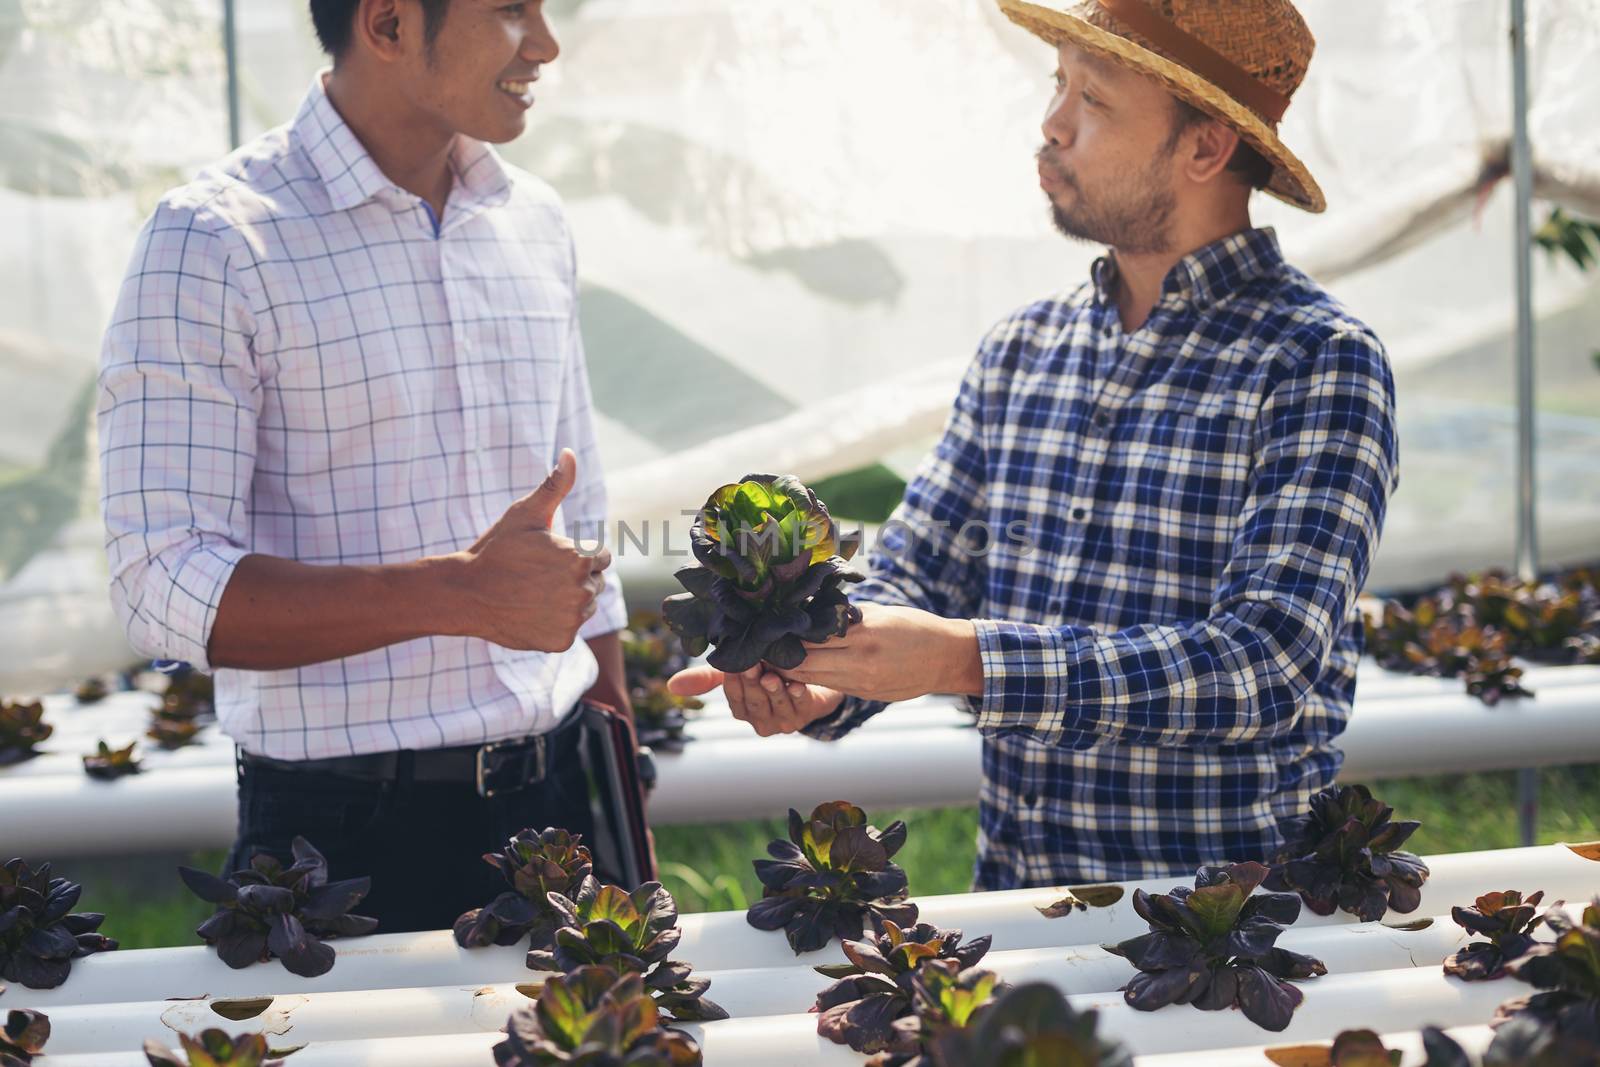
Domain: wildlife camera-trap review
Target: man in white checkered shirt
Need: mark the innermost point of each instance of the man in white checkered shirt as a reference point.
(342, 365)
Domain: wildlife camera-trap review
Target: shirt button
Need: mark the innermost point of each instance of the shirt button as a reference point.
(1079, 514)
(1031, 799)
(1101, 420)
(1057, 607)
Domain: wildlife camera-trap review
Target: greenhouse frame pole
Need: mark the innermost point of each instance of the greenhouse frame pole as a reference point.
(1527, 516)
(230, 49)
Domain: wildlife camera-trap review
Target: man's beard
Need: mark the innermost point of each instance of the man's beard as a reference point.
(1137, 220)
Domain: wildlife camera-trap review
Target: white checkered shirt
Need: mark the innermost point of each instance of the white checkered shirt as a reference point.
(303, 364)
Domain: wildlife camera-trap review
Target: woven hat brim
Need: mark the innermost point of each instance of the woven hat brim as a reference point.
(1291, 181)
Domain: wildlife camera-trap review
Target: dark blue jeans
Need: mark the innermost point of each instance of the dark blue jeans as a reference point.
(421, 842)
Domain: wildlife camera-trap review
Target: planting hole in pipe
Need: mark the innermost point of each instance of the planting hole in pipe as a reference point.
(530, 989)
(1589, 850)
(1097, 896)
(1411, 927)
(1301, 1055)
(1082, 898)
(238, 1009)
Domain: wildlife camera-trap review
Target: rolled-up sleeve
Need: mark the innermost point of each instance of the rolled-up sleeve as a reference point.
(179, 397)
(584, 510)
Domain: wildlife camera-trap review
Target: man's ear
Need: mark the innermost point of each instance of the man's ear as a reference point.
(1211, 145)
(378, 28)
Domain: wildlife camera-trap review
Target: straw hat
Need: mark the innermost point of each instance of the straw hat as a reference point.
(1239, 61)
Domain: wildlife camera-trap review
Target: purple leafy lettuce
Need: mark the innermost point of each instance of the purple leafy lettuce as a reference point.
(268, 910)
(829, 876)
(1213, 946)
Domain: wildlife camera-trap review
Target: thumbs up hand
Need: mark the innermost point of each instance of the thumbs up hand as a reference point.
(532, 588)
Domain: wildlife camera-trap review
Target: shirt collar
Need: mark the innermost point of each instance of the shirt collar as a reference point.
(480, 173)
(352, 177)
(1208, 274)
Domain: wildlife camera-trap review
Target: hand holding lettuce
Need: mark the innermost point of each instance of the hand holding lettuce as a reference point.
(771, 576)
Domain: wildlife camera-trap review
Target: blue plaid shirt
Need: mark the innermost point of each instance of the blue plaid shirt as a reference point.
(1161, 535)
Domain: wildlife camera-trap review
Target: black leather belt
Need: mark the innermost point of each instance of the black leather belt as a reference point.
(493, 768)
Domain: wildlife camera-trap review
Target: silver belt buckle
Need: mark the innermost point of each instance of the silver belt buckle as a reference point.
(481, 768)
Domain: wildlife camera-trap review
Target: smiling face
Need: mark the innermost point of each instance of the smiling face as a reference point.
(1108, 163)
(476, 76)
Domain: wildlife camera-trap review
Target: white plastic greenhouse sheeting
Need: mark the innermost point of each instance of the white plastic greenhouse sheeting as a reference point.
(827, 173)
(185, 799)
(400, 1000)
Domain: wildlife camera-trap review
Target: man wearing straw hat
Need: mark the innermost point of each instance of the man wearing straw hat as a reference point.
(1200, 443)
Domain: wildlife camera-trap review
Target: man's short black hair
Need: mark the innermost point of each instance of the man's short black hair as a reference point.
(334, 21)
(1251, 166)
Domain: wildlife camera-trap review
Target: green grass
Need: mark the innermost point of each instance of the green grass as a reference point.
(865, 495)
(707, 868)
(145, 904)
(1468, 812)
(937, 856)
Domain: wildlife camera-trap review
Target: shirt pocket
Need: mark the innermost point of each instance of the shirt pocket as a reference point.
(517, 367)
(1186, 473)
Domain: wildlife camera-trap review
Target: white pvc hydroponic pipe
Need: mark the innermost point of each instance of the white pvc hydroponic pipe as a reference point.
(1430, 701)
(77, 730)
(451, 1050)
(1459, 734)
(61, 815)
(725, 941)
(1472, 1039)
(291, 1019)
(214, 752)
(1434, 734)
(1373, 681)
(127, 713)
(1374, 1000)
(734, 1043)
(80, 728)
(1381, 1000)
(1374, 685)
(315, 1017)
(123, 717)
